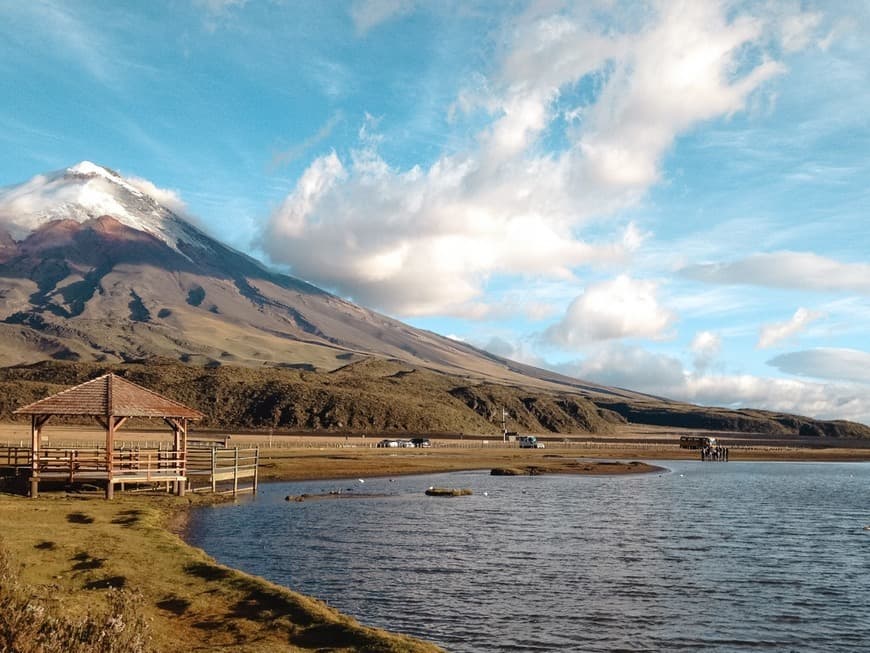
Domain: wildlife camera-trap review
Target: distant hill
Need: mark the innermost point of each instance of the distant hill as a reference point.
(379, 395)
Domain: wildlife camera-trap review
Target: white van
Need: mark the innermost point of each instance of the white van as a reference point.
(530, 442)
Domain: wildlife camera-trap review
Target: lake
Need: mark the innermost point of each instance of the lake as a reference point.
(705, 557)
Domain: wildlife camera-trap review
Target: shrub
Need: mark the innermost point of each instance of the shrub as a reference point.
(29, 625)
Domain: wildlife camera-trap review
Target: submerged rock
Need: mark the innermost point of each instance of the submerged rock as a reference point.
(447, 492)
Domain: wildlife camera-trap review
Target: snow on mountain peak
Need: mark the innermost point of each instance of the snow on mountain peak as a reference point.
(86, 191)
(89, 168)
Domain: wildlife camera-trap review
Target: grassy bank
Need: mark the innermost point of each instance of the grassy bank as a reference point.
(67, 553)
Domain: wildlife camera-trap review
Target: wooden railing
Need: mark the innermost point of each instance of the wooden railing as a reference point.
(71, 464)
(14, 456)
(91, 463)
(214, 469)
(209, 469)
(147, 465)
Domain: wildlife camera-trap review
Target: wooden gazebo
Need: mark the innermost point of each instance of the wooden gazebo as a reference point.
(111, 400)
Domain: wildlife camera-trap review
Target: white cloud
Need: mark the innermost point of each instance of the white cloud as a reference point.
(799, 270)
(826, 363)
(367, 14)
(621, 308)
(501, 347)
(63, 195)
(797, 31)
(628, 367)
(661, 375)
(705, 347)
(171, 199)
(428, 239)
(772, 334)
(819, 400)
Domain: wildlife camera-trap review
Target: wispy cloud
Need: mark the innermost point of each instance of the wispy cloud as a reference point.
(217, 13)
(368, 14)
(293, 153)
(826, 363)
(772, 334)
(800, 270)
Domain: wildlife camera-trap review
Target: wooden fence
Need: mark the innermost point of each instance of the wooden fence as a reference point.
(224, 471)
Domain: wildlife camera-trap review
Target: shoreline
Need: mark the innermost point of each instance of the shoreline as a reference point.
(336, 462)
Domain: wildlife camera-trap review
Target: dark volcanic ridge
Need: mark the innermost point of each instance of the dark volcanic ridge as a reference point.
(380, 396)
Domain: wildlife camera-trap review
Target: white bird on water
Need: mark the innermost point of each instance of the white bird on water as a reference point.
(360, 480)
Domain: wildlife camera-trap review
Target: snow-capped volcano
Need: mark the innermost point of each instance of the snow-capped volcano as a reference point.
(95, 265)
(87, 191)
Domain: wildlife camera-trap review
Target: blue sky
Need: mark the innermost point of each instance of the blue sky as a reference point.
(665, 196)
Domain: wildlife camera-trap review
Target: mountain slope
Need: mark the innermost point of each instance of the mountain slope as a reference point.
(93, 268)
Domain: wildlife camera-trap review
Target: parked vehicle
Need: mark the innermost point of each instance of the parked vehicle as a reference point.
(405, 443)
(530, 442)
(696, 442)
(421, 442)
(388, 443)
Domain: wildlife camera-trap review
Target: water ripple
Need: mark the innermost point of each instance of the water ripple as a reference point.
(736, 557)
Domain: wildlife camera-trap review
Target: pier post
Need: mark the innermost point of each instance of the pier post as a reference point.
(236, 472)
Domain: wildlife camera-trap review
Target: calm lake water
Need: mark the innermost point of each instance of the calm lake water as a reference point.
(707, 557)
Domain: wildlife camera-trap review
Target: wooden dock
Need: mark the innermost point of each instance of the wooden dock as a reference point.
(223, 470)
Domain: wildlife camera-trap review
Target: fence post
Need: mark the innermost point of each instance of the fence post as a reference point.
(256, 468)
(213, 469)
(236, 473)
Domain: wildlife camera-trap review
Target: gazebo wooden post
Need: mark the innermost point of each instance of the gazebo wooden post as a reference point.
(36, 424)
(182, 485)
(179, 450)
(110, 450)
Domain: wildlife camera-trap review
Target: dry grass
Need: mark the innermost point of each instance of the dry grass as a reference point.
(31, 623)
(76, 553)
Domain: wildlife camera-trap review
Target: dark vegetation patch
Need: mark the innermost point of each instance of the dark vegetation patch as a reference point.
(79, 518)
(128, 518)
(206, 571)
(138, 310)
(79, 293)
(163, 313)
(45, 545)
(111, 582)
(195, 295)
(174, 604)
(84, 562)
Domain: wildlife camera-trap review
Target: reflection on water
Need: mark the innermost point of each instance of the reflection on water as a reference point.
(713, 557)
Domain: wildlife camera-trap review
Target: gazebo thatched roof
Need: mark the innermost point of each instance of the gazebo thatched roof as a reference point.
(110, 395)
